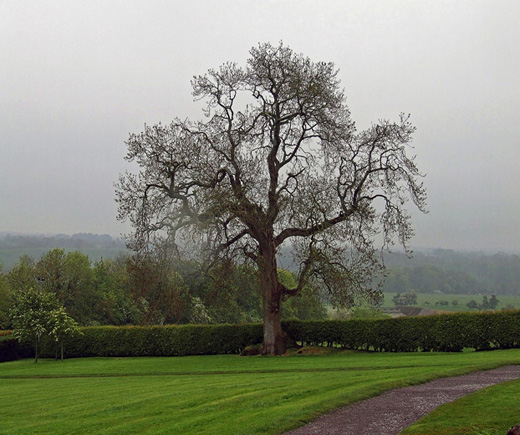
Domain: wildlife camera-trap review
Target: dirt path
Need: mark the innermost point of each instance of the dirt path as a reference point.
(397, 409)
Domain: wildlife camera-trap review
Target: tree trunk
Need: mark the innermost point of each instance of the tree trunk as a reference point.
(36, 350)
(274, 337)
(62, 350)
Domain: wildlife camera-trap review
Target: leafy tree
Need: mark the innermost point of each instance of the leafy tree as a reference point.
(493, 302)
(159, 291)
(70, 277)
(278, 162)
(111, 283)
(31, 315)
(406, 298)
(472, 304)
(5, 301)
(23, 275)
(61, 326)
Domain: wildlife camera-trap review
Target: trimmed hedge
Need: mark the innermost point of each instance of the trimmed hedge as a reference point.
(442, 333)
(169, 340)
(11, 350)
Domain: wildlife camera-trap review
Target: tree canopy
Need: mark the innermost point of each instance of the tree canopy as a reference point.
(276, 162)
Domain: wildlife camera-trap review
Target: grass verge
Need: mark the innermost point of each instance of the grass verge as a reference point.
(223, 394)
(490, 411)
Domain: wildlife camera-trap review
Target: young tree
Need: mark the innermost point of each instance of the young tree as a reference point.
(61, 326)
(277, 164)
(31, 316)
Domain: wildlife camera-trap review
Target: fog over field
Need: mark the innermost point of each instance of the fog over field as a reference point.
(77, 77)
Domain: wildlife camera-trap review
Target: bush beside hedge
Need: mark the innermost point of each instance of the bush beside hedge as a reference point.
(443, 333)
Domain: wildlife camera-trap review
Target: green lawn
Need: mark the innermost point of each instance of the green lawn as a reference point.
(221, 394)
(491, 411)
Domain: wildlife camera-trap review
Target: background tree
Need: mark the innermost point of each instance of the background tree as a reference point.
(115, 305)
(69, 276)
(493, 302)
(23, 275)
(406, 298)
(472, 304)
(158, 290)
(5, 301)
(278, 162)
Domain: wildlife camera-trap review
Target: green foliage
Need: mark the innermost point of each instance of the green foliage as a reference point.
(70, 277)
(443, 333)
(306, 305)
(115, 305)
(367, 313)
(407, 298)
(168, 340)
(472, 305)
(22, 276)
(31, 316)
(11, 349)
(151, 290)
(61, 326)
(5, 301)
(36, 314)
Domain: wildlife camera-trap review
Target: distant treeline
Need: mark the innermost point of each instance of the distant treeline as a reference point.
(96, 246)
(76, 241)
(453, 272)
(428, 271)
(131, 290)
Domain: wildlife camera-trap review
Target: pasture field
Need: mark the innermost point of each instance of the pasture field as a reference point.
(224, 394)
(428, 300)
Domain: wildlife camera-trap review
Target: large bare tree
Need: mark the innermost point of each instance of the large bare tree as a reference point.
(276, 163)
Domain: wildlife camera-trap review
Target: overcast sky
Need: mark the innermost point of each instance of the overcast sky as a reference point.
(76, 77)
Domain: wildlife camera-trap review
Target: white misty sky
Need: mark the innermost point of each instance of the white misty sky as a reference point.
(76, 77)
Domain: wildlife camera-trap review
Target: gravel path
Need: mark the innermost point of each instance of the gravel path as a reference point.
(397, 409)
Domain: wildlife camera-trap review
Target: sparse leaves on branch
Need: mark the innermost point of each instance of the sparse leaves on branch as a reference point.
(277, 163)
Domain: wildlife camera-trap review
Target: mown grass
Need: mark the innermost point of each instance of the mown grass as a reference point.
(490, 411)
(221, 394)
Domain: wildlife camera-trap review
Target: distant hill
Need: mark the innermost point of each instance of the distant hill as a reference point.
(428, 271)
(96, 246)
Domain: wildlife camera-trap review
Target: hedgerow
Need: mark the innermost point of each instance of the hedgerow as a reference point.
(169, 340)
(441, 333)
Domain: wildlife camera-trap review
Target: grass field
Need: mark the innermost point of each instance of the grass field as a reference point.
(220, 394)
(428, 300)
